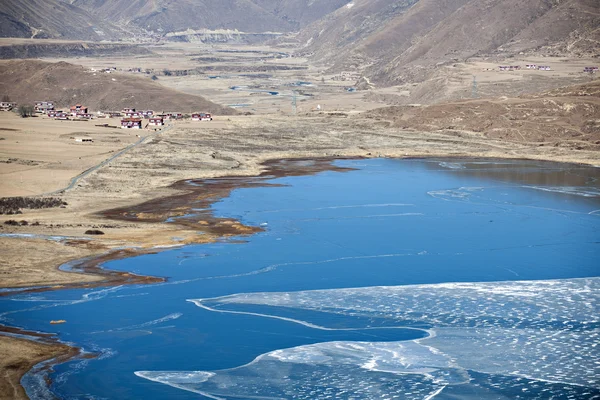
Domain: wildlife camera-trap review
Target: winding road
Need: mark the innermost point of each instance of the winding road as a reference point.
(119, 153)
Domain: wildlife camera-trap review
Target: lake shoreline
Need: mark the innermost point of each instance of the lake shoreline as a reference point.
(167, 208)
(51, 351)
(24, 351)
(178, 207)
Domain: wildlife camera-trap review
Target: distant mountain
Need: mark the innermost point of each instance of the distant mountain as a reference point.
(388, 41)
(165, 16)
(52, 19)
(394, 41)
(113, 19)
(27, 81)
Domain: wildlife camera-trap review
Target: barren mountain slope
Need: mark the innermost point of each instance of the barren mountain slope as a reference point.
(573, 27)
(566, 117)
(340, 33)
(52, 19)
(33, 48)
(245, 15)
(28, 81)
(393, 41)
(300, 13)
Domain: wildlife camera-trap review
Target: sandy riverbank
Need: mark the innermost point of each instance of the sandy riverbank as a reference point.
(141, 189)
(17, 356)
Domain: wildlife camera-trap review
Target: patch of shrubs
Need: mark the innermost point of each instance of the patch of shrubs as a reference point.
(13, 205)
(26, 111)
(12, 222)
(94, 232)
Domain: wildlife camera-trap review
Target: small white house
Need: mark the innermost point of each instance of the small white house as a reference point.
(7, 105)
(44, 106)
(133, 114)
(156, 121)
(131, 123)
(201, 117)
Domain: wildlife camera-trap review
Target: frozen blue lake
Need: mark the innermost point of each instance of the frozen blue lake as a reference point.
(407, 279)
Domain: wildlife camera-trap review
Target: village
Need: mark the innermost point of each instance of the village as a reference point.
(589, 70)
(130, 118)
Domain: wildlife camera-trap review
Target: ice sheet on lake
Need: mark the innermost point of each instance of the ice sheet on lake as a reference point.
(452, 165)
(325, 371)
(478, 195)
(539, 336)
(144, 325)
(583, 191)
(44, 303)
(461, 193)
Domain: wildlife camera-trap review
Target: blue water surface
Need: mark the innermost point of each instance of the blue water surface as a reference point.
(386, 223)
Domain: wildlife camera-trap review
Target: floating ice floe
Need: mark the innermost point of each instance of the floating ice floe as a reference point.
(452, 165)
(528, 339)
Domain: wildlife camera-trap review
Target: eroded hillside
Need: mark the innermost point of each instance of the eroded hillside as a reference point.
(53, 19)
(28, 81)
(397, 41)
(565, 117)
(244, 15)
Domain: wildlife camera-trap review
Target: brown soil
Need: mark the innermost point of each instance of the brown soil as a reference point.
(92, 274)
(17, 356)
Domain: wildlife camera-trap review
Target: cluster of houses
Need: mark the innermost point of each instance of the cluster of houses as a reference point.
(347, 76)
(201, 117)
(130, 117)
(509, 67)
(81, 112)
(134, 119)
(539, 67)
(528, 66)
(76, 112)
(105, 70)
(43, 106)
(132, 113)
(590, 70)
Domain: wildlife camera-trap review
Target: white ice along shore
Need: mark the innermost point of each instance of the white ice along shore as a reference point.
(531, 339)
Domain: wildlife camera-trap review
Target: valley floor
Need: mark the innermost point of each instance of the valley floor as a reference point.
(39, 156)
(228, 146)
